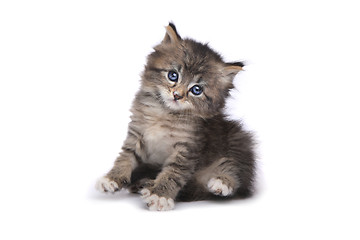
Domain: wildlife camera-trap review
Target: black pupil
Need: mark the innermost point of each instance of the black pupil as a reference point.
(173, 76)
(197, 90)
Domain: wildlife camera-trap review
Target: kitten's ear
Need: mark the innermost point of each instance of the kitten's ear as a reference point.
(230, 70)
(171, 35)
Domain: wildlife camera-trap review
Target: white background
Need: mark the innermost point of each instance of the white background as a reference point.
(69, 71)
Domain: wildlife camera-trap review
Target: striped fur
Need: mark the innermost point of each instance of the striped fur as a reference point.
(175, 146)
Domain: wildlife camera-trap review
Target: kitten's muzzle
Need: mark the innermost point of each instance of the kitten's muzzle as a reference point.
(177, 96)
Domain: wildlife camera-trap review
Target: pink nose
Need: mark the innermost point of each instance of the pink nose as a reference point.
(177, 96)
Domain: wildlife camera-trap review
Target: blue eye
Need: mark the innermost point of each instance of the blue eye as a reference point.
(173, 76)
(196, 90)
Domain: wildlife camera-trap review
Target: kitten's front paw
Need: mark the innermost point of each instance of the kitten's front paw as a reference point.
(104, 184)
(217, 187)
(156, 203)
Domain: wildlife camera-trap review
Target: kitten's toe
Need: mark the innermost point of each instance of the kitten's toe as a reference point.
(217, 187)
(145, 193)
(104, 184)
(156, 203)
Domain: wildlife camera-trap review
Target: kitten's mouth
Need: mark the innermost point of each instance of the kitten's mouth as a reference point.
(173, 102)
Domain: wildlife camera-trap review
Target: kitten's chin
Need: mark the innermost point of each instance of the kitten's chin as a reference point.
(177, 106)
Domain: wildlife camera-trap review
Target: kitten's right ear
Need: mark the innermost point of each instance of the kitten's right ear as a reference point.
(171, 35)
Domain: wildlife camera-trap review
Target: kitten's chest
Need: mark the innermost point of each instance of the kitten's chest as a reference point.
(159, 139)
(157, 143)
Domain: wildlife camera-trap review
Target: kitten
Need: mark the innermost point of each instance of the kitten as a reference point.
(180, 146)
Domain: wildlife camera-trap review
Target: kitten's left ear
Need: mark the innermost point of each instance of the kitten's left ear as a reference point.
(171, 35)
(231, 69)
(229, 72)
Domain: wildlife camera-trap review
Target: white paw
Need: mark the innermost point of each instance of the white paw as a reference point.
(156, 203)
(217, 187)
(104, 184)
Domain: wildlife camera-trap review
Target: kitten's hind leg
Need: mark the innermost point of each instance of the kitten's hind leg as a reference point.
(221, 177)
(220, 186)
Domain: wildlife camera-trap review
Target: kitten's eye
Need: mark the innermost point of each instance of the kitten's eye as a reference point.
(173, 76)
(196, 90)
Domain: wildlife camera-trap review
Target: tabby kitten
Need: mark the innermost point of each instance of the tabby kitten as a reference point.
(180, 146)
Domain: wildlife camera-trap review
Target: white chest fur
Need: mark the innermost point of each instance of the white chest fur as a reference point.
(158, 143)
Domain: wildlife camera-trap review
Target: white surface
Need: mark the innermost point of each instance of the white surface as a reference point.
(69, 71)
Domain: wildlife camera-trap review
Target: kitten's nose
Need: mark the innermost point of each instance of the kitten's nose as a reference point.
(177, 96)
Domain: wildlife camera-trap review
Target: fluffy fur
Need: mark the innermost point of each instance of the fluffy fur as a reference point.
(180, 146)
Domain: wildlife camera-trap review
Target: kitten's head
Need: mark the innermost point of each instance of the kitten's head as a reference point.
(188, 76)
